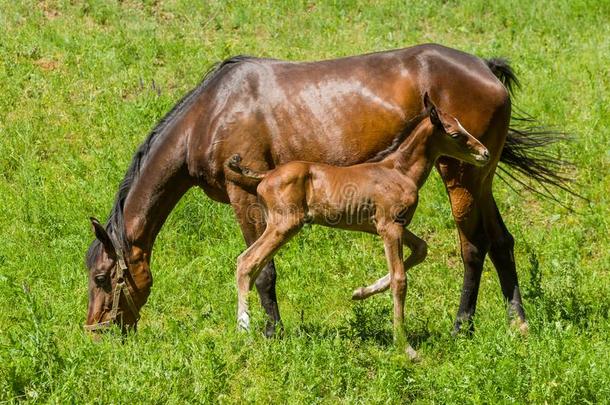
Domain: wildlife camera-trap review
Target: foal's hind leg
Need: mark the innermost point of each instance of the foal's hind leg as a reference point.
(392, 242)
(250, 263)
(419, 251)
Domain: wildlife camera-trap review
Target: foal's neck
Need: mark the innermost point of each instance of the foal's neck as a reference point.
(415, 157)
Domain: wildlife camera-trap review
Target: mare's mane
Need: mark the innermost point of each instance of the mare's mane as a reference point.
(115, 225)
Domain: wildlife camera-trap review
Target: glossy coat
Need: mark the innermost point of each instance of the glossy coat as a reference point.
(378, 198)
(339, 112)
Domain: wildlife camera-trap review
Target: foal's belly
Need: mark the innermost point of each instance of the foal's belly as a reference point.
(354, 197)
(360, 219)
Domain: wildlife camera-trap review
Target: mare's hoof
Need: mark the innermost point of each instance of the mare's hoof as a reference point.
(358, 294)
(274, 329)
(465, 328)
(412, 354)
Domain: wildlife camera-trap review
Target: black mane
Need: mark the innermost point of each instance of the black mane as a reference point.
(115, 225)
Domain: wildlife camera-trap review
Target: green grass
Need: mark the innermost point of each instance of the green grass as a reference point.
(77, 97)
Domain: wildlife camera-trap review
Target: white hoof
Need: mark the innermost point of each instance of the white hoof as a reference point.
(358, 294)
(412, 354)
(520, 326)
(243, 322)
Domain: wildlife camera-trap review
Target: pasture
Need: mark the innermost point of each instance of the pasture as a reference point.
(83, 82)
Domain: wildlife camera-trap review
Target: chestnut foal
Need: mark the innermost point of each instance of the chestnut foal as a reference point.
(379, 198)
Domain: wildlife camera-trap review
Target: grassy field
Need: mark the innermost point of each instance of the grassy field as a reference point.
(82, 83)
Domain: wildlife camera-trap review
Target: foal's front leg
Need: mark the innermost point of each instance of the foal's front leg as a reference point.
(252, 261)
(419, 251)
(252, 226)
(392, 240)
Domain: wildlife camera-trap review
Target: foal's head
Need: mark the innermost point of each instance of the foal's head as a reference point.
(451, 139)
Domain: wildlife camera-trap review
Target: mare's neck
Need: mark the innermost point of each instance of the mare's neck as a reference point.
(415, 157)
(161, 181)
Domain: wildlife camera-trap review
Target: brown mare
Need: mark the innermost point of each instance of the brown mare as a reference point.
(272, 112)
(381, 199)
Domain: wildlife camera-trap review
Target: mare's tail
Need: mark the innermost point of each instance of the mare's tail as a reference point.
(525, 155)
(234, 163)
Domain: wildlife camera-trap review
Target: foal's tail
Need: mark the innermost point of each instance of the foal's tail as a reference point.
(234, 163)
(525, 154)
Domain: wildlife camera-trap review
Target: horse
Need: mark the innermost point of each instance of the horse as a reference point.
(272, 112)
(382, 200)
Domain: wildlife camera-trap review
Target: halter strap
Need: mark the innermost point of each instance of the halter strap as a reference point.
(121, 270)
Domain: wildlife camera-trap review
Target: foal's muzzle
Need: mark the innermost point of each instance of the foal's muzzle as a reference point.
(482, 157)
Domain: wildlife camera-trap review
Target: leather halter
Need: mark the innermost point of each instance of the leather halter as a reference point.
(120, 270)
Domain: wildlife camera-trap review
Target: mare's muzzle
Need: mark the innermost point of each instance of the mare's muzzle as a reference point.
(120, 289)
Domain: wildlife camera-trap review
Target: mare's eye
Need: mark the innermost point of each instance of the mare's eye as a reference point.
(454, 135)
(100, 279)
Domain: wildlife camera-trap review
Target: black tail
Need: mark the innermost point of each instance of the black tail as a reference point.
(502, 70)
(525, 152)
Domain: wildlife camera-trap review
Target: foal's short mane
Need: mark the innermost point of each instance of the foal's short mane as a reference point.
(116, 225)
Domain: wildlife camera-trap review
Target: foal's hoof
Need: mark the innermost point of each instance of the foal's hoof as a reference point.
(95, 337)
(412, 354)
(358, 294)
(243, 322)
(521, 326)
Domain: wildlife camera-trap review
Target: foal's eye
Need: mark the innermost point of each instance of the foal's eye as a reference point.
(454, 135)
(100, 279)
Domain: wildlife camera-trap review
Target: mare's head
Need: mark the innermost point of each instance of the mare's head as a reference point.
(113, 294)
(451, 139)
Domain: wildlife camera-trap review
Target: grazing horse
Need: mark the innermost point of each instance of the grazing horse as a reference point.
(382, 200)
(340, 112)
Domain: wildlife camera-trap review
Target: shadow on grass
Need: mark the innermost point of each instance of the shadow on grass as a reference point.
(369, 323)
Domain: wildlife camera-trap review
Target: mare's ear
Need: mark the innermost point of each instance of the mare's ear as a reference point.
(102, 235)
(432, 112)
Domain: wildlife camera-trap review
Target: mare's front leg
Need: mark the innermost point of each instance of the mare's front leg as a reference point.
(392, 241)
(250, 217)
(419, 251)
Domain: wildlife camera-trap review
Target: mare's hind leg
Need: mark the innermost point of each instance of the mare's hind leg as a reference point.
(501, 252)
(470, 193)
(254, 259)
(250, 218)
(480, 230)
(419, 251)
(464, 186)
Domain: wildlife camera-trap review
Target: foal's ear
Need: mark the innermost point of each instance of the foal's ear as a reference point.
(432, 112)
(102, 235)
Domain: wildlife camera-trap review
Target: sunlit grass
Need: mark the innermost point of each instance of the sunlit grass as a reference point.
(82, 83)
